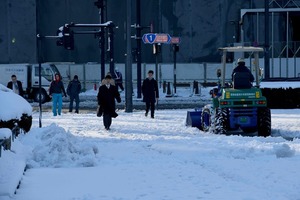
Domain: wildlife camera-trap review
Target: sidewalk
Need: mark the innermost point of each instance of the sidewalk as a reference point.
(184, 98)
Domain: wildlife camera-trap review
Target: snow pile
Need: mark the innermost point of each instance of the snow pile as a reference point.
(52, 146)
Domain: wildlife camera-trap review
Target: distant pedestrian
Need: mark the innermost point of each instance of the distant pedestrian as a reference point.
(73, 90)
(55, 91)
(150, 93)
(106, 101)
(15, 85)
(118, 79)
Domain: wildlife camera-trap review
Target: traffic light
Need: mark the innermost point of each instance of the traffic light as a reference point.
(175, 48)
(66, 37)
(156, 49)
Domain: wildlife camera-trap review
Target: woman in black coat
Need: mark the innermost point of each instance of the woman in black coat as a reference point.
(106, 100)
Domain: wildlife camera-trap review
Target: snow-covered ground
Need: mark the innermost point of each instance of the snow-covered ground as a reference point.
(72, 157)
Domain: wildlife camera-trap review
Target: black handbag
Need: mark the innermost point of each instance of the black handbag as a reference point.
(99, 111)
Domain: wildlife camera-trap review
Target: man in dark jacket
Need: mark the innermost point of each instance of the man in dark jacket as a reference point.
(73, 91)
(150, 93)
(241, 68)
(15, 85)
(106, 100)
(55, 92)
(118, 79)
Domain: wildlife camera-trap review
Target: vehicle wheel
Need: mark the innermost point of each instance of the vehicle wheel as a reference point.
(43, 96)
(264, 122)
(205, 119)
(221, 121)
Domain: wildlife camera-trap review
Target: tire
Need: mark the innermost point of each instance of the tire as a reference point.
(221, 121)
(205, 120)
(264, 122)
(43, 96)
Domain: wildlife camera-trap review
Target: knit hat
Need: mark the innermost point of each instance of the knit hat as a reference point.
(75, 77)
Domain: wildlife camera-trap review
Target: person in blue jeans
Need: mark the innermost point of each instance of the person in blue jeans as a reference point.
(55, 92)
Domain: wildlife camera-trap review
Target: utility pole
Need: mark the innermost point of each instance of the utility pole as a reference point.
(128, 68)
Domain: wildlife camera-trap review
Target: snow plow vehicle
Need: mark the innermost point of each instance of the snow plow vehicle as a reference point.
(235, 108)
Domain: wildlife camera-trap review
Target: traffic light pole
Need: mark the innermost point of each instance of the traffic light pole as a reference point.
(110, 25)
(101, 6)
(128, 68)
(139, 49)
(111, 47)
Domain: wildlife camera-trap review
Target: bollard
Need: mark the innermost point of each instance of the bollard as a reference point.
(196, 88)
(95, 86)
(169, 93)
(164, 86)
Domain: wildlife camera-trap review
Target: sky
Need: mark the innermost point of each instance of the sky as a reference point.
(72, 157)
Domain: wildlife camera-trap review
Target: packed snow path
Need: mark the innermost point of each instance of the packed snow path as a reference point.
(75, 158)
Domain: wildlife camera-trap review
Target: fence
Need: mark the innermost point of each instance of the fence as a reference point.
(186, 73)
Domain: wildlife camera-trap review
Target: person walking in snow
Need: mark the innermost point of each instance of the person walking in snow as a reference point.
(106, 101)
(73, 90)
(150, 93)
(55, 92)
(118, 79)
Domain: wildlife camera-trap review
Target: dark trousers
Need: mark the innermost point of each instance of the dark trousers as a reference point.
(72, 98)
(151, 106)
(106, 120)
(119, 84)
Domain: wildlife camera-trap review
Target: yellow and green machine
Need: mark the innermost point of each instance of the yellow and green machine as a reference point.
(243, 110)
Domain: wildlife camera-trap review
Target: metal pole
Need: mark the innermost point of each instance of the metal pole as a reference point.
(174, 51)
(101, 5)
(267, 56)
(287, 45)
(128, 68)
(138, 48)
(102, 40)
(111, 47)
(156, 67)
(39, 47)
